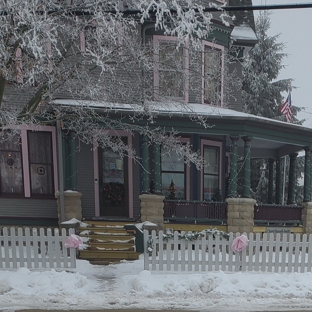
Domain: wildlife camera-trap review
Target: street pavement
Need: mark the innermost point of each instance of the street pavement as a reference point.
(139, 310)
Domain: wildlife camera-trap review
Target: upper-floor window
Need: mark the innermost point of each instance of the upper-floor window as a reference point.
(171, 68)
(213, 66)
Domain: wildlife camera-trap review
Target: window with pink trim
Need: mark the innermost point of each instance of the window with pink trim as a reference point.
(174, 170)
(171, 69)
(211, 173)
(26, 165)
(11, 169)
(213, 66)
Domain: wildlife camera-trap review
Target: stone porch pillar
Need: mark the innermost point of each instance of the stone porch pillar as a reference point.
(233, 168)
(307, 217)
(271, 180)
(246, 185)
(152, 209)
(240, 214)
(292, 179)
(72, 205)
(307, 175)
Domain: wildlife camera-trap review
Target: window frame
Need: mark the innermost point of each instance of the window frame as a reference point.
(216, 144)
(157, 39)
(186, 173)
(220, 48)
(26, 164)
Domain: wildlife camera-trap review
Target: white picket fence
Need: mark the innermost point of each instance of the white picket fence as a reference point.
(28, 248)
(265, 252)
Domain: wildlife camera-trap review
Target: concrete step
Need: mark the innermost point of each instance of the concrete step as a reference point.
(110, 255)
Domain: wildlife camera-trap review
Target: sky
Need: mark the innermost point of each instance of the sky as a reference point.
(128, 286)
(294, 25)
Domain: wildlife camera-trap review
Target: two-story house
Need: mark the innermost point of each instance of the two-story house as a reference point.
(187, 87)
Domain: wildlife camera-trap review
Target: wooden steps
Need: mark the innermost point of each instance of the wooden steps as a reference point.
(107, 242)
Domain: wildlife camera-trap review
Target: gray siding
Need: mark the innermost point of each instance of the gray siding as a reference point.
(28, 207)
(85, 179)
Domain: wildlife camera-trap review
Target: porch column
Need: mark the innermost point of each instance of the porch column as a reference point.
(233, 168)
(271, 178)
(146, 167)
(279, 182)
(292, 179)
(157, 168)
(73, 161)
(307, 173)
(246, 183)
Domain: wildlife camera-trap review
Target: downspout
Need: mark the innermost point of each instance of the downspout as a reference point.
(60, 169)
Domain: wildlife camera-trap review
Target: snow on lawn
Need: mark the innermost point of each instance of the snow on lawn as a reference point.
(127, 285)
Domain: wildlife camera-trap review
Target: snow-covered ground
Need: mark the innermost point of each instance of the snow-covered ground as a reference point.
(127, 285)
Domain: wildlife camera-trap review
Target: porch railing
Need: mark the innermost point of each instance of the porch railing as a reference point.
(195, 211)
(277, 214)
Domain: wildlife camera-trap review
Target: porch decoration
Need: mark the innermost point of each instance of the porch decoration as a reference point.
(190, 236)
(239, 243)
(73, 241)
(114, 192)
(172, 190)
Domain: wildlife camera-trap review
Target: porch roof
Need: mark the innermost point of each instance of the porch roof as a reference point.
(271, 138)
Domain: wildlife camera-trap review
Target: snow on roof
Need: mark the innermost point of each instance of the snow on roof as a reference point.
(244, 33)
(175, 108)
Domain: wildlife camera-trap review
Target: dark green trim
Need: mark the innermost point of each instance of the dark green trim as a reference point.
(157, 168)
(246, 183)
(271, 174)
(307, 177)
(279, 181)
(146, 166)
(233, 168)
(292, 179)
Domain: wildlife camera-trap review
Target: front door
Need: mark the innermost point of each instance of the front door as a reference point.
(113, 183)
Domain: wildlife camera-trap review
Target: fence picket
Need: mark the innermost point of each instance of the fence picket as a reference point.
(284, 254)
(35, 247)
(223, 254)
(270, 252)
(175, 251)
(196, 260)
(183, 252)
(21, 247)
(264, 251)
(250, 248)
(13, 240)
(210, 251)
(278, 247)
(189, 255)
(309, 254)
(6, 246)
(154, 247)
(28, 248)
(203, 252)
(297, 251)
(290, 253)
(303, 253)
(161, 252)
(57, 253)
(217, 252)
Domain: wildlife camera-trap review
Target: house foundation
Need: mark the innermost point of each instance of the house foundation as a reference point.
(152, 209)
(240, 214)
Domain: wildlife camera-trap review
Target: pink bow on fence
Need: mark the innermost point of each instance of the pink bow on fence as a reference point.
(239, 243)
(73, 241)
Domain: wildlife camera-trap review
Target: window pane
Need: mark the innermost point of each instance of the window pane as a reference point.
(212, 75)
(171, 71)
(171, 162)
(40, 162)
(211, 183)
(211, 156)
(11, 168)
(178, 180)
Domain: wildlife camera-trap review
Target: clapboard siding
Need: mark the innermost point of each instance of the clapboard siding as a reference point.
(85, 179)
(27, 207)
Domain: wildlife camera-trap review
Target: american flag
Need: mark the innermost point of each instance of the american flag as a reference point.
(286, 108)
